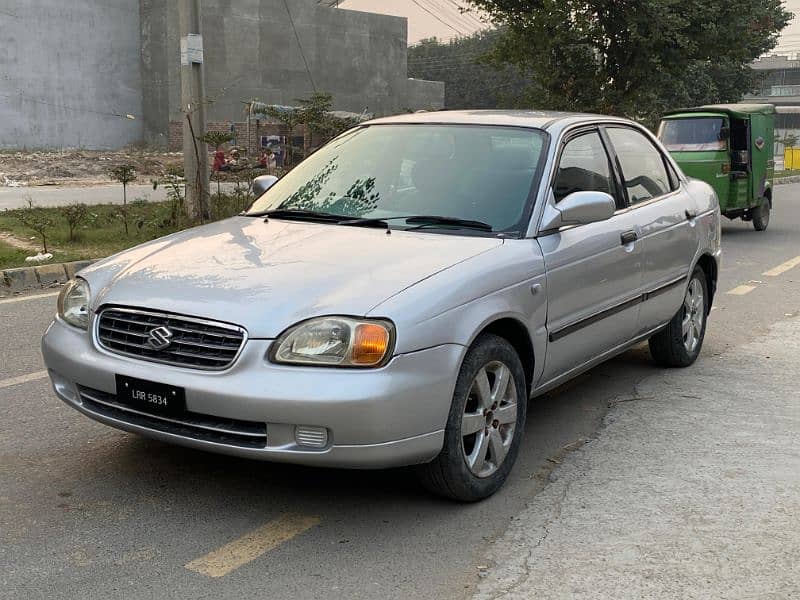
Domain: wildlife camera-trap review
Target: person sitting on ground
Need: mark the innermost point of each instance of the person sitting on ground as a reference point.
(234, 162)
(268, 160)
(219, 161)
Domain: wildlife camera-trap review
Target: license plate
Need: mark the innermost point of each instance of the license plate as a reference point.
(157, 398)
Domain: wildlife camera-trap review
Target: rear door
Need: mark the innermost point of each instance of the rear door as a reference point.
(665, 215)
(594, 271)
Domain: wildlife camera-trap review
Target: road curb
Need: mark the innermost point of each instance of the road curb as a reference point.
(28, 278)
(785, 180)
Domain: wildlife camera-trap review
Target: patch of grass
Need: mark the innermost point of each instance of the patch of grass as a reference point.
(11, 257)
(102, 233)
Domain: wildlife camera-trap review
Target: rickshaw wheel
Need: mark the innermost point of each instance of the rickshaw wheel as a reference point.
(761, 216)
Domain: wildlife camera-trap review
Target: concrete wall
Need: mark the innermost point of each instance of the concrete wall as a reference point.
(425, 95)
(70, 71)
(67, 71)
(251, 52)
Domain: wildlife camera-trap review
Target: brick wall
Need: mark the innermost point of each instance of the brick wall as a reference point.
(252, 145)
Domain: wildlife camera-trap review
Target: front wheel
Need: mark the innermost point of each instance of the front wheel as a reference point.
(485, 424)
(761, 215)
(679, 344)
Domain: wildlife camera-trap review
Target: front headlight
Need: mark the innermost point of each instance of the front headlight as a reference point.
(335, 342)
(73, 303)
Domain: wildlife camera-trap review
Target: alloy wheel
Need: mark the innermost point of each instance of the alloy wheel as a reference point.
(693, 315)
(489, 419)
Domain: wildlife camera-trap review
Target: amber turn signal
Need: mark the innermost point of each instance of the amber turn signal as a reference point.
(370, 344)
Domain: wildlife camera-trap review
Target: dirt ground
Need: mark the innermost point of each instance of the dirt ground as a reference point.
(80, 167)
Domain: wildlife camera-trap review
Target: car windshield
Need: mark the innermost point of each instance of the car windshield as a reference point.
(693, 134)
(477, 173)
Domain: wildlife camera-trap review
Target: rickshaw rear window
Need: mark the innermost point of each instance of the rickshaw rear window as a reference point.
(693, 134)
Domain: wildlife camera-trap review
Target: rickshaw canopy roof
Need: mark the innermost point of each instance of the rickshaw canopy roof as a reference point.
(740, 111)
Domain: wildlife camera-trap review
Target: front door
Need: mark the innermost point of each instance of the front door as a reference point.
(594, 271)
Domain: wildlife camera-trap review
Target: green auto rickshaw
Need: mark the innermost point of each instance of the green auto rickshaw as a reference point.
(730, 147)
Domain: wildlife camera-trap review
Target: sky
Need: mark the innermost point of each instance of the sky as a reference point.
(790, 40)
(446, 23)
(421, 24)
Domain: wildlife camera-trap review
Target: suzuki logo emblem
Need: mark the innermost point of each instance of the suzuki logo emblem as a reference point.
(159, 338)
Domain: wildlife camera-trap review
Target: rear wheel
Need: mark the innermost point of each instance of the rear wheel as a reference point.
(485, 425)
(679, 344)
(761, 215)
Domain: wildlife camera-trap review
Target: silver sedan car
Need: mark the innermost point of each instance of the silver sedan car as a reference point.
(398, 297)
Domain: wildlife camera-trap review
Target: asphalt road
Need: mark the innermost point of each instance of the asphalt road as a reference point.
(90, 512)
(11, 198)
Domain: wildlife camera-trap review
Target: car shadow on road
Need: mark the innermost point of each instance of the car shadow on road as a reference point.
(555, 420)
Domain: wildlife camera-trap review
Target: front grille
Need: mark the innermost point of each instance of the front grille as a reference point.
(194, 343)
(206, 428)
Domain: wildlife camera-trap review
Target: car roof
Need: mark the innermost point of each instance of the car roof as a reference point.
(536, 119)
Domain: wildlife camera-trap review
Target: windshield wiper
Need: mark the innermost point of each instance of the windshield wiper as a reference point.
(418, 220)
(299, 215)
(421, 221)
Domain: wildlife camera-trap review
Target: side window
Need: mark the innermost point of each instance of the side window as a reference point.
(643, 168)
(584, 166)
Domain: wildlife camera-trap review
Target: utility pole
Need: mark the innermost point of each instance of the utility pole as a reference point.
(193, 108)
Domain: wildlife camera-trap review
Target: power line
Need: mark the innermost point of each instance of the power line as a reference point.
(466, 17)
(442, 13)
(300, 46)
(435, 16)
(465, 11)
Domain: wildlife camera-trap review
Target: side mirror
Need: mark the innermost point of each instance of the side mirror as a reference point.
(262, 183)
(724, 132)
(579, 208)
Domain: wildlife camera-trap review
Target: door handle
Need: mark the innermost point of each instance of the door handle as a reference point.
(690, 214)
(628, 237)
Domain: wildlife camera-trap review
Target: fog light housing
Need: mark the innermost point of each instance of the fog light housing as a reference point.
(311, 436)
(65, 388)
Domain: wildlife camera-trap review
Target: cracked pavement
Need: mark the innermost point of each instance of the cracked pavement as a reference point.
(691, 489)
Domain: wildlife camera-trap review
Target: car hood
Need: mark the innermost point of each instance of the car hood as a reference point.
(268, 276)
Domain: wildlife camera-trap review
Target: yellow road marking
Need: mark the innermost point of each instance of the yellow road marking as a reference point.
(250, 546)
(26, 298)
(741, 290)
(4, 383)
(782, 268)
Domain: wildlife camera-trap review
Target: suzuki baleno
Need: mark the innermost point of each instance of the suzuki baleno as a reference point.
(399, 296)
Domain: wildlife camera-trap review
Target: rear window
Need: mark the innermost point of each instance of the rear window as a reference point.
(700, 134)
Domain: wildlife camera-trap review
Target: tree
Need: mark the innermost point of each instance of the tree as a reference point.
(470, 80)
(216, 138)
(74, 215)
(315, 112)
(36, 218)
(635, 59)
(124, 174)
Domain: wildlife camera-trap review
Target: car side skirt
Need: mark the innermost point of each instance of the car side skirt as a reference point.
(557, 381)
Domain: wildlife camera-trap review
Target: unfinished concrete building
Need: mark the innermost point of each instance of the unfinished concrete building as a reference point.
(106, 73)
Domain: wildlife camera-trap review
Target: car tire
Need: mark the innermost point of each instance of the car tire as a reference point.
(680, 342)
(761, 215)
(474, 465)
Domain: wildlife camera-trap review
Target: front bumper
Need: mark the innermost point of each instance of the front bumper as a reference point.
(378, 418)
